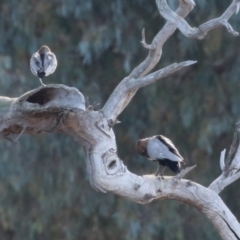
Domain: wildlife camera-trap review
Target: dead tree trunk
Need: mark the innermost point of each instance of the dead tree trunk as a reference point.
(60, 108)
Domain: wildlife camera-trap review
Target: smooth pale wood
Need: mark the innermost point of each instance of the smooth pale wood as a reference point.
(122, 95)
(229, 174)
(60, 108)
(203, 29)
(106, 171)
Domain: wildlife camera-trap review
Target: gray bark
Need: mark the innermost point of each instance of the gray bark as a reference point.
(60, 108)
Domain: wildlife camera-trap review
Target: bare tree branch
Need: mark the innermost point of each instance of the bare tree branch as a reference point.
(122, 95)
(230, 166)
(143, 42)
(60, 108)
(203, 29)
(233, 148)
(127, 86)
(135, 84)
(106, 170)
(155, 53)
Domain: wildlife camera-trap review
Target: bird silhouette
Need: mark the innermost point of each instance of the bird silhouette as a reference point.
(43, 63)
(162, 150)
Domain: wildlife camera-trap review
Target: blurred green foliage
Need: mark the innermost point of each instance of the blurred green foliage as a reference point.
(44, 188)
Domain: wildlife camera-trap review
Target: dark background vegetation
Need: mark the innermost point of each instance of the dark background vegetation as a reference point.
(44, 189)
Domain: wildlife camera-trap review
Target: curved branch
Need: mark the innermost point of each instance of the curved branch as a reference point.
(230, 166)
(61, 108)
(45, 110)
(203, 29)
(118, 99)
(134, 84)
(122, 95)
(155, 52)
(111, 175)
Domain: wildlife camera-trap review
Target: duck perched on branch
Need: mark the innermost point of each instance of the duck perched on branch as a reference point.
(43, 63)
(162, 150)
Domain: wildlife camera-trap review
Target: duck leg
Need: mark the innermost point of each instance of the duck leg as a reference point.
(161, 174)
(158, 170)
(41, 82)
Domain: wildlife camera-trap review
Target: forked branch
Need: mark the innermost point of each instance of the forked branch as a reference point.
(203, 29)
(122, 94)
(230, 166)
(45, 109)
(155, 48)
(61, 108)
